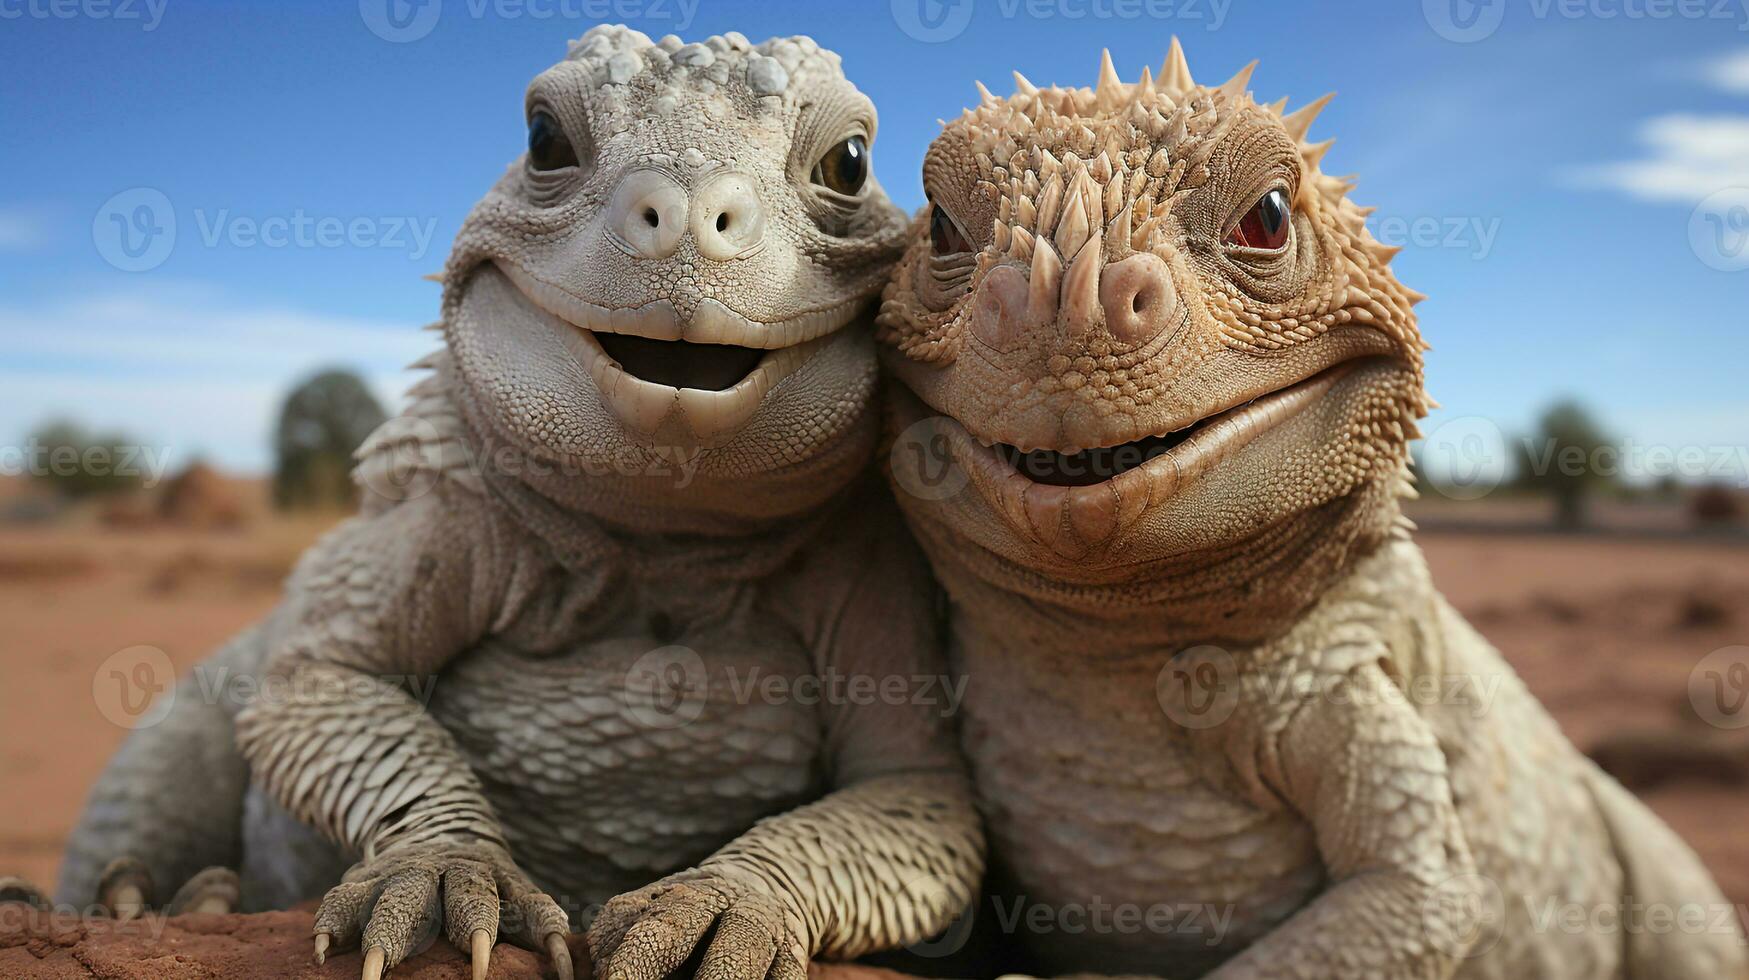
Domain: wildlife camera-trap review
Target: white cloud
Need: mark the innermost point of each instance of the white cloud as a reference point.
(1690, 157)
(185, 371)
(1730, 72)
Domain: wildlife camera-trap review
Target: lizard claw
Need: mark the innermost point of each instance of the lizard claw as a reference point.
(322, 941)
(480, 952)
(14, 889)
(472, 892)
(561, 955)
(650, 933)
(214, 891)
(125, 888)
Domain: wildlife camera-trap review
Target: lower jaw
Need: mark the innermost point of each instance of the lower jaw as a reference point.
(1074, 520)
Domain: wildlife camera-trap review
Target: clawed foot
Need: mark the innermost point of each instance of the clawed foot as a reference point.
(126, 890)
(15, 889)
(648, 934)
(474, 892)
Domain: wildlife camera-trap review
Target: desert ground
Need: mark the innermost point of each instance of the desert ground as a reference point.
(1607, 628)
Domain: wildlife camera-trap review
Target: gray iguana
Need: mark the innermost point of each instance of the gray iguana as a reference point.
(1158, 388)
(633, 492)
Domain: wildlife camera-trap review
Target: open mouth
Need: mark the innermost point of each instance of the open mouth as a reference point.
(681, 363)
(1236, 425)
(1073, 502)
(1092, 466)
(701, 376)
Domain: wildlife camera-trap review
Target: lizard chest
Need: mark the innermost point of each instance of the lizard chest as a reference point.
(1113, 845)
(636, 746)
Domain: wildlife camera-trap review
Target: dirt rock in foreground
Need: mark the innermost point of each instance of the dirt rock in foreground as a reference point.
(43, 946)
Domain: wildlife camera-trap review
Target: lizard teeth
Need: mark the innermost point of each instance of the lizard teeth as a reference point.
(659, 412)
(1075, 521)
(645, 408)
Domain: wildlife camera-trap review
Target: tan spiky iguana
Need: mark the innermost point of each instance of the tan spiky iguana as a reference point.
(640, 467)
(1158, 387)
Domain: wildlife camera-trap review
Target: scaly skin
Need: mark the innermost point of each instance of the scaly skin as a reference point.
(548, 526)
(1210, 671)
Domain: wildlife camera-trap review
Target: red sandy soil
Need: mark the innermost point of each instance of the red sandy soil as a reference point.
(232, 947)
(1606, 631)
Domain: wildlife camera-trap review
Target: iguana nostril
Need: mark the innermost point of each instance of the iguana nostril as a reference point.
(727, 218)
(1138, 298)
(999, 309)
(647, 213)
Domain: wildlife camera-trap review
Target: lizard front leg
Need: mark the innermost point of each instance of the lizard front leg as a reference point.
(874, 866)
(1365, 769)
(340, 738)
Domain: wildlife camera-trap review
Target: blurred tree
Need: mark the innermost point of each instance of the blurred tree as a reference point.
(322, 422)
(78, 463)
(1566, 459)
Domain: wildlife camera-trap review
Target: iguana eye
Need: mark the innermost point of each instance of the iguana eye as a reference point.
(945, 237)
(548, 147)
(1265, 226)
(844, 168)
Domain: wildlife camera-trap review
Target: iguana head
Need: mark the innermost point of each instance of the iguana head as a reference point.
(661, 295)
(1153, 325)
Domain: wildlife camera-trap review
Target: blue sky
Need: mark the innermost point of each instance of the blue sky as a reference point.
(1558, 170)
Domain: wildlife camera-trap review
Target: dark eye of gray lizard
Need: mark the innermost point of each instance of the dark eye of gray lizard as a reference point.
(548, 147)
(844, 168)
